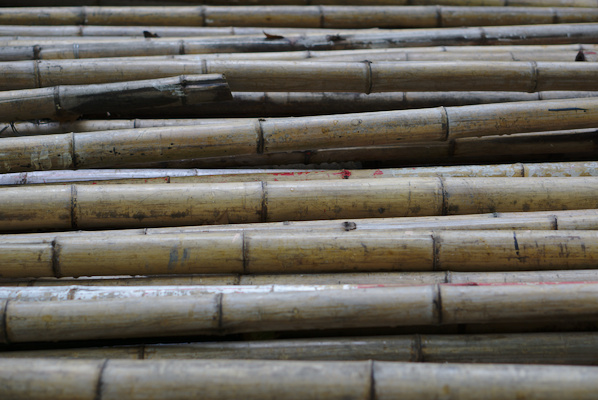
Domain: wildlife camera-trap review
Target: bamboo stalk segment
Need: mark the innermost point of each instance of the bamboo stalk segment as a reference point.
(573, 348)
(303, 16)
(303, 252)
(245, 312)
(60, 102)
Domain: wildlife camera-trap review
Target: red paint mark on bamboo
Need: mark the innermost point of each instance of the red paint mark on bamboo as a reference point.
(345, 174)
(378, 172)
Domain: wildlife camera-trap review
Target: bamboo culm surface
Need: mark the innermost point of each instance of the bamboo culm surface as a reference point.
(122, 148)
(35, 379)
(70, 101)
(572, 348)
(26, 321)
(64, 207)
(298, 16)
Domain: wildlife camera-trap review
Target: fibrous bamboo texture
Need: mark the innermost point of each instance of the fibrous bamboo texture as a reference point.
(35, 379)
(298, 16)
(64, 102)
(58, 207)
(540, 348)
(442, 304)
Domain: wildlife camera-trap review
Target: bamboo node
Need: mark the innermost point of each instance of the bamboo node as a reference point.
(534, 77)
(99, 382)
(3, 324)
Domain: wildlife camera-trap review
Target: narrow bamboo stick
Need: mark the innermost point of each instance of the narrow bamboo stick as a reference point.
(142, 176)
(122, 148)
(524, 34)
(70, 101)
(59, 207)
(442, 304)
(302, 16)
(572, 348)
(300, 252)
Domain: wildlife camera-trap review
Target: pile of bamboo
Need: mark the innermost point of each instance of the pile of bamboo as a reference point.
(298, 199)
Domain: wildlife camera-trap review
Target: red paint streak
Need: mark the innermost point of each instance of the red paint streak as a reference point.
(378, 172)
(94, 183)
(345, 174)
(589, 52)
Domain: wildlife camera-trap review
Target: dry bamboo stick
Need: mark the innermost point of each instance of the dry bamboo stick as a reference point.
(252, 379)
(299, 16)
(573, 348)
(441, 304)
(290, 76)
(300, 253)
(355, 278)
(63, 207)
(141, 176)
(70, 101)
(523, 34)
(122, 148)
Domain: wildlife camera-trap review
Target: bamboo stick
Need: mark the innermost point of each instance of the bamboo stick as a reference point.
(300, 252)
(122, 148)
(573, 348)
(65, 207)
(141, 176)
(442, 304)
(70, 101)
(303, 16)
(522, 34)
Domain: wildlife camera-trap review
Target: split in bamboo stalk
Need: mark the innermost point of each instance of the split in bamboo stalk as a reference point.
(441, 304)
(523, 34)
(300, 253)
(573, 348)
(299, 16)
(122, 148)
(70, 101)
(142, 176)
(252, 379)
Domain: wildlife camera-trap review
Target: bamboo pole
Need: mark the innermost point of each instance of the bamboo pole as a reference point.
(252, 379)
(572, 348)
(122, 148)
(442, 304)
(64, 207)
(142, 176)
(70, 101)
(558, 34)
(300, 253)
(299, 16)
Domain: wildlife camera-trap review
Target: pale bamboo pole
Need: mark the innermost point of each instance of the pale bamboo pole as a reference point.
(70, 101)
(304, 252)
(299, 16)
(558, 34)
(142, 176)
(355, 278)
(572, 348)
(257, 379)
(129, 148)
(442, 304)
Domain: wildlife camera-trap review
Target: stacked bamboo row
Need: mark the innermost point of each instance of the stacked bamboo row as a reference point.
(389, 184)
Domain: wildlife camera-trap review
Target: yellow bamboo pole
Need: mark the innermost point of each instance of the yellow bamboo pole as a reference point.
(298, 16)
(572, 348)
(442, 304)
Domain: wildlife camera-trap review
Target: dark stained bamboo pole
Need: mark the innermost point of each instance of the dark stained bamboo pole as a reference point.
(256, 379)
(70, 101)
(572, 348)
(122, 148)
(557, 34)
(441, 304)
(299, 16)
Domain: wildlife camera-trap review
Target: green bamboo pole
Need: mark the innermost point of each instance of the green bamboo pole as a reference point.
(572, 348)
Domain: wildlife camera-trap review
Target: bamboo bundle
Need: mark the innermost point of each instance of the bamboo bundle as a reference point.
(300, 252)
(522, 34)
(573, 348)
(303, 16)
(70, 101)
(142, 176)
(252, 379)
(442, 304)
(63, 207)
(121, 148)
